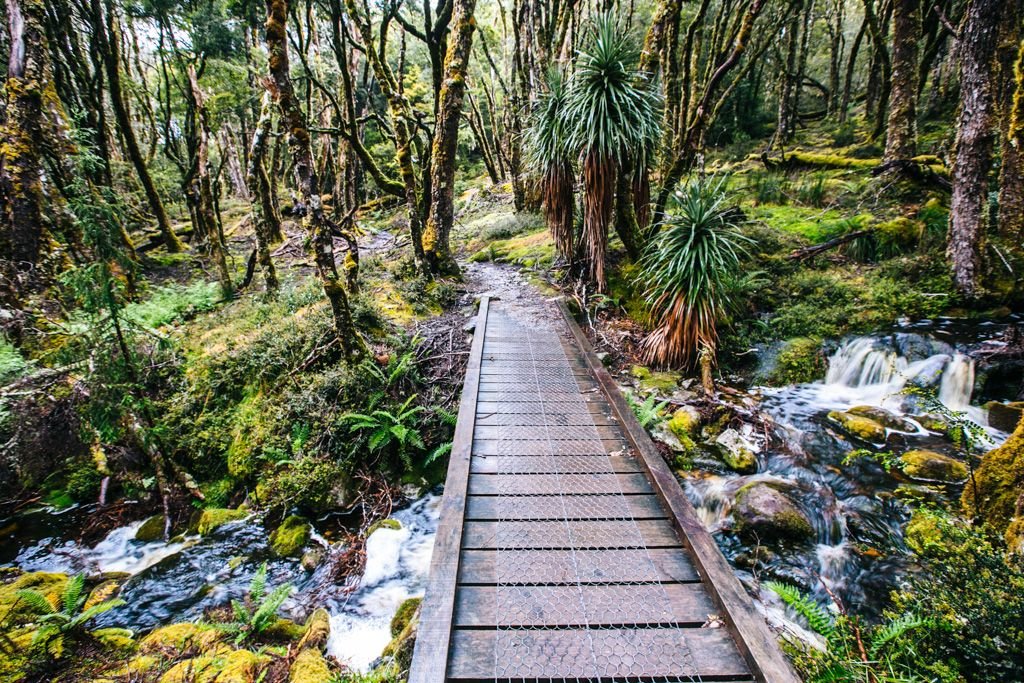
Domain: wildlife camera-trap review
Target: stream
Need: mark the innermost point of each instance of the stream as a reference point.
(857, 507)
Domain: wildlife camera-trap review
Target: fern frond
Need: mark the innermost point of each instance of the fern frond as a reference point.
(817, 618)
(73, 593)
(266, 613)
(439, 452)
(35, 600)
(892, 630)
(258, 586)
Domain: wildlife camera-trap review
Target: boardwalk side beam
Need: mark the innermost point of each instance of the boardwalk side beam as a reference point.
(754, 639)
(433, 639)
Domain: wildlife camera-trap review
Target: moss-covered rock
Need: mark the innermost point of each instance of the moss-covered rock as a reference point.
(284, 630)
(404, 614)
(291, 537)
(388, 523)
(310, 667)
(932, 466)
(763, 512)
(799, 360)
(660, 382)
(170, 640)
(318, 629)
(684, 422)
(49, 584)
(859, 427)
(211, 518)
(222, 666)
(1004, 416)
(151, 530)
(1000, 485)
(883, 417)
(736, 452)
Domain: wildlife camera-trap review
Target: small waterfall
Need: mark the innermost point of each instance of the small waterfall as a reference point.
(860, 363)
(957, 383)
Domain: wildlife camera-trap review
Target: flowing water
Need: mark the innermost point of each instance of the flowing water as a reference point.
(179, 581)
(857, 508)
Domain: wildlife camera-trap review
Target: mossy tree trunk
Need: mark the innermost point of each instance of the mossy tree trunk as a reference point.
(319, 229)
(975, 137)
(261, 205)
(108, 42)
(205, 212)
(1011, 171)
(881, 72)
(436, 235)
(21, 137)
(901, 139)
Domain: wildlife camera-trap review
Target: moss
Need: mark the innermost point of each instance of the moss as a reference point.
(291, 537)
(923, 532)
(1000, 482)
(859, 427)
(684, 422)
(222, 666)
(284, 630)
(401, 646)
(404, 614)
(317, 630)
(310, 667)
(211, 518)
(388, 523)
(800, 360)
(931, 466)
(764, 512)
(253, 426)
(172, 639)
(151, 530)
(49, 584)
(655, 382)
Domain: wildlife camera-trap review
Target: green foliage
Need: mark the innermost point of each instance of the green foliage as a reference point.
(66, 623)
(768, 187)
(258, 611)
(173, 303)
(800, 360)
(649, 413)
(685, 270)
(609, 108)
(396, 430)
(887, 459)
(12, 364)
(853, 653)
(811, 191)
(970, 598)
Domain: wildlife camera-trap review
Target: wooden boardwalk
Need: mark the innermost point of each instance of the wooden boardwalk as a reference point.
(565, 548)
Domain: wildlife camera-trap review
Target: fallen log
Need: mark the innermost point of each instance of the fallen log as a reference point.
(815, 249)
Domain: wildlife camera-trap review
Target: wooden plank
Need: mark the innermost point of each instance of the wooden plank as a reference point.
(537, 419)
(564, 507)
(685, 604)
(546, 432)
(572, 407)
(648, 533)
(531, 567)
(433, 639)
(552, 464)
(755, 640)
(531, 654)
(527, 484)
(500, 447)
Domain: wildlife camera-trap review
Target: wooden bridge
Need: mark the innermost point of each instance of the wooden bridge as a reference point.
(566, 548)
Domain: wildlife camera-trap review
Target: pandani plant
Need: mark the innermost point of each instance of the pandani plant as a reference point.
(611, 116)
(548, 153)
(686, 270)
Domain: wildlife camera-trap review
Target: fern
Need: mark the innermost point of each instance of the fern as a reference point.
(893, 630)
(439, 452)
(817, 618)
(447, 417)
(648, 414)
(57, 626)
(251, 622)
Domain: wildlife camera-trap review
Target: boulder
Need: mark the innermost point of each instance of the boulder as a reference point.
(932, 466)
(684, 422)
(291, 537)
(883, 417)
(318, 629)
(655, 382)
(310, 667)
(388, 523)
(312, 558)
(151, 530)
(1004, 416)
(764, 512)
(172, 639)
(859, 427)
(1000, 489)
(404, 614)
(212, 518)
(736, 451)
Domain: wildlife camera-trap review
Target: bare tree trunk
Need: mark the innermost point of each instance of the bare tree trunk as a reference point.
(204, 209)
(261, 206)
(975, 136)
(901, 140)
(293, 121)
(436, 235)
(108, 37)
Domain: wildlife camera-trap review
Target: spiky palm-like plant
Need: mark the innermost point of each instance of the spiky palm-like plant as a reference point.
(548, 153)
(685, 270)
(611, 114)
